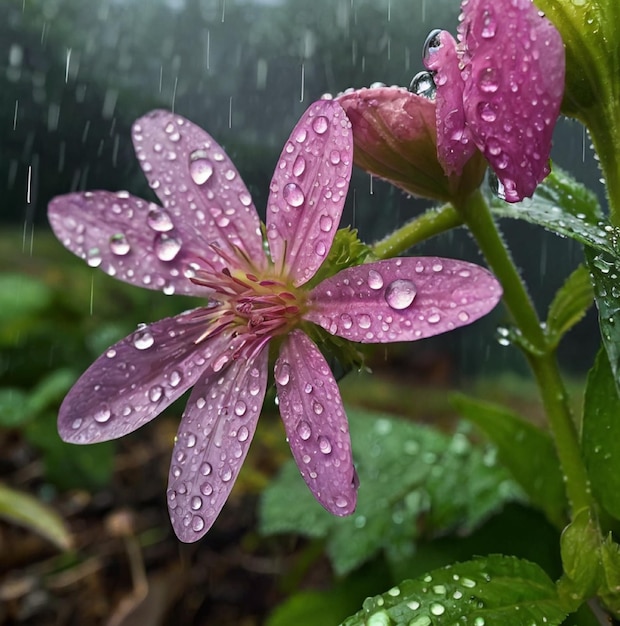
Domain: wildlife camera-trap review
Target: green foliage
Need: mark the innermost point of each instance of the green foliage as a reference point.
(23, 509)
(569, 305)
(563, 206)
(21, 298)
(610, 588)
(525, 450)
(490, 590)
(601, 434)
(411, 477)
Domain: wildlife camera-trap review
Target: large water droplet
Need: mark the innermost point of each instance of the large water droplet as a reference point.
(364, 321)
(303, 430)
(299, 166)
(196, 503)
(166, 247)
(486, 112)
(200, 168)
(487, 80)
(326, 223)
(119, 244)
(155, 393)
(432, 43)
(293, 194)
(437, 609)
(375, 280)
(103, 414)
(93, 257)
(320, 124)
(325, 445)
(142, 338)
(158, 219)
(318, 408)
(175, 378)
(422, 84)
(283, 374)
(400, 294)
(489, 25)
(346, 321)
(434, 318)
(197, 523)
(240, 408)
(341, 502)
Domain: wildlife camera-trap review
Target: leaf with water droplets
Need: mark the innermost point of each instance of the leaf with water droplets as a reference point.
(527, 451)
(569, 305)
(565, 207)
(199, 187)
(316, 424)
(212, 442)
(402, 299)
(109, 231)
(137, 378)
(483, 592)
(410, 475)
(601, 434)
(308, 190)
(512, 60)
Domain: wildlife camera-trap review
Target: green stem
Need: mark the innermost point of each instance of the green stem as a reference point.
(423, 227)
(477, 217)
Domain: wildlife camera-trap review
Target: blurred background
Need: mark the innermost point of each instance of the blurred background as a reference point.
(73, 77)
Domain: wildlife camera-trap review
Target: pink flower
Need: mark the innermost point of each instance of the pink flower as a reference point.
(499, 89)
(206, 241)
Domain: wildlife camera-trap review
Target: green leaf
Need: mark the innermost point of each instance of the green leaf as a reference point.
(489, 590)
(527, 452)
(21, 508)
(406, 471)
(600, 438)
(580, 543)
(21, 296)
(610, 589)
(51, 390)
(570, 304)
(14, 407)
(564, 206)
(605, 270)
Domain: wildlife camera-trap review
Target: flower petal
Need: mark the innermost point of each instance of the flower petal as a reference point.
(514, 81)
(198, 185)
(308, 190)
(137, 378)
(213, 439)
(455, 145)
(316, 424)
(402, 299)
(111, 231)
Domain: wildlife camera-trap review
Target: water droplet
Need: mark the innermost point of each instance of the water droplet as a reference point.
(93, 257)
(196, 503)
(400, 294)
(200, 168)
(226, 474)
(320, 248)
(318, 408)
(320, 124)
(433, 318)
(487, 80)
(325, 445)
(463, 316)
(489, 25)
(206, 489)
(432, 43)
(143, 339)
(158, 219)
(346, 321)
(299, 166)
(119, 244)
(326, 223)
(240, 408)
(364, 321)
(166, 247)
(422, 84)
(375, 280)
(422, 620)
(245, 198)
(103, 414)
(175, 378)
(293, 194)
(414, 605)
(303, 430)
(111, 353)
(468, 582)
(283, 374)
(341, 502)
(191, 440)
(243, 434)
(486, 112)
(197, 523)
(479, 621)
(334, 157)
(206, 469)
(155, 393)
(438, 609)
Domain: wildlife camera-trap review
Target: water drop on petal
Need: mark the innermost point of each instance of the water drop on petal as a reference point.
(299, 166)
(293, 194)
(400, 294)
(158, 219)
(320, 124)
(166, 247)
(93, 257)
(303, 430)
(119, 244)
(283, 374)
(200, 168)
(143, 339)
(375, 280)
(325, 445)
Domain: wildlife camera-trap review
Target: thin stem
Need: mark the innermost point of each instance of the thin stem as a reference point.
(477, 217)
(423, 227)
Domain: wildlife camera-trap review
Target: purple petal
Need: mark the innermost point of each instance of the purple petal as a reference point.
(213, 439)
(137, 378)
(316, 424)
(455, 144)
(198, 185)
(111, 231)
(402, 299)
(308, 190)
(514, 81)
